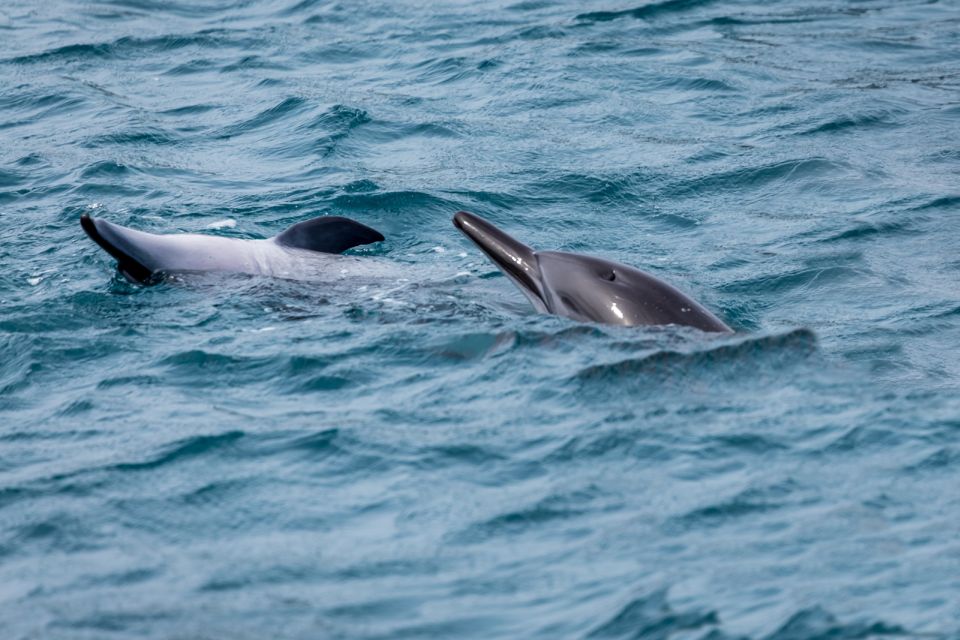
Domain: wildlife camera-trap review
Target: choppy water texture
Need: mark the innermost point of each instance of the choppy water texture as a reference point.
(234, 457)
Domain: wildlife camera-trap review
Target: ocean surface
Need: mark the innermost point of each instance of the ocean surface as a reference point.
(423, 456)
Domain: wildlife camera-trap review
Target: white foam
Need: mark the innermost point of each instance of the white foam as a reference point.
(226, 223)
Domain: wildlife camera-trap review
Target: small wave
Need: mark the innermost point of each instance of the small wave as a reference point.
(805, 169)
(338, 52)
(817, 622)
(320, 135)
(41, 107)
(204, 368)
(213, 38)
(798, 343)
(454, 455)
(21, 366)
(867, 230)
(445, 70)
(697, 84)
(470, 346)
(801, 278)
(339, 119)
(592, 48)
(753, 501)
(322, 382)
(530, 5)
(760, 19)
(181, 8)
(547, 339)
(618, 443)
(193, 447)
(339, 451)
(645, 12)
(133, 137)
(948, 312)
(199, 65)
(187, 110)
(10, 179)
(941, 459)
(600, 189)
(493, 199)
(322, 442)
(106, 169)
(408, 202)
(300, 6)
(215, 493)
(11, 495)
(111, 622)
(543, 513)
(60, 533)
(651, 617)
(282, 110)
(540, 32)
(133, 380)
(944, 202)
(71, 51)
(860, 438)
(252, 62)
(514, 523)
(361, 186)
(76, 408)
(736, 443)
(868, 119)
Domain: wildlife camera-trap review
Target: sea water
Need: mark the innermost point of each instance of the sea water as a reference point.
(237, 457)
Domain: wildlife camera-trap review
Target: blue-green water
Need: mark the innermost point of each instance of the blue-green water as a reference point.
(233, 457)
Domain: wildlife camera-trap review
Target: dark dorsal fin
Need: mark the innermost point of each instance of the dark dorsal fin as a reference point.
(328, 234)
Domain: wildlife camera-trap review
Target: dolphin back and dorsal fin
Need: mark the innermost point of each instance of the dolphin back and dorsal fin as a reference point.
(141, 256)
(328, 234)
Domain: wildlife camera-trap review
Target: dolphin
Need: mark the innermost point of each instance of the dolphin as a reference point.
(143, 257)
(586, 288)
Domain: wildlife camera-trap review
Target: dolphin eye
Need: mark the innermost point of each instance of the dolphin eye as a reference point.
(609, 275)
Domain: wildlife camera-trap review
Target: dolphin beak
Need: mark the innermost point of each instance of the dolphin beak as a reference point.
(515, 259)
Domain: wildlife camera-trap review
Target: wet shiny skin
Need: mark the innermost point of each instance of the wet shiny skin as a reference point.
(586, 288)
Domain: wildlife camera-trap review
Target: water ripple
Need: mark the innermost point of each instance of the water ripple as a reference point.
(413, 451)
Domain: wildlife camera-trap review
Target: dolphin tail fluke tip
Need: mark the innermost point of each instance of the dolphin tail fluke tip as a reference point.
(89, 226)
(86, 223)
(129, 266)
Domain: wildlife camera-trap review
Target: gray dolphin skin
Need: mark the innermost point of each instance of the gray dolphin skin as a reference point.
(143, 257)
(586, 288)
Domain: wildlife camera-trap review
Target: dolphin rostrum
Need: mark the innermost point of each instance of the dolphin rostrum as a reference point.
(141, 256)
(586, 288)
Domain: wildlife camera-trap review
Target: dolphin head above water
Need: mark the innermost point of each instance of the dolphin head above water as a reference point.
(586, 288)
